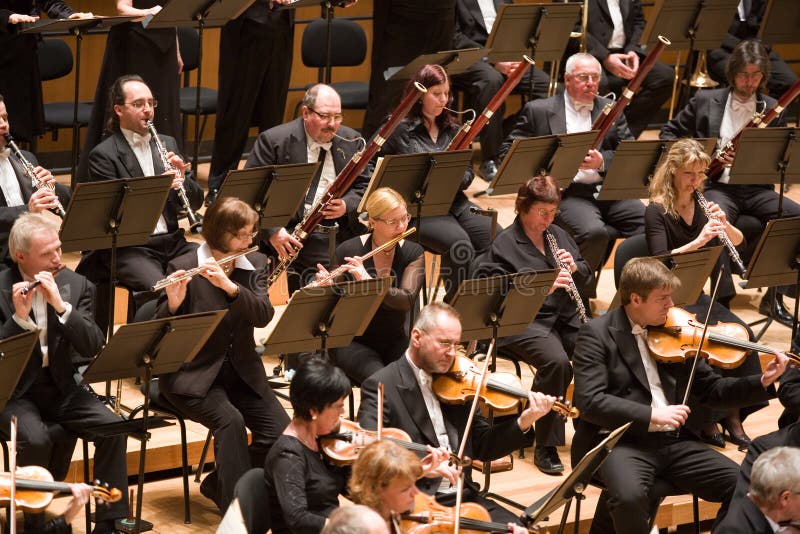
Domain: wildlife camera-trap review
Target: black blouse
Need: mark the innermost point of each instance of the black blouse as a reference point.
(665, 233)
(303, 489)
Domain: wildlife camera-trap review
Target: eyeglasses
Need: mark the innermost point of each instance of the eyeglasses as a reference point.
(555, 212)
(583, 78)
(139, 104)
(444, 343)
(246, 235)
(336, 117)
(749, 75)
(394, 222)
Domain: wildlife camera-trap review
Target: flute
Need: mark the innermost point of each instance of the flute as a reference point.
(344, 268)
(168, 281)
(36, 283)
(30, 172)
(572, 290)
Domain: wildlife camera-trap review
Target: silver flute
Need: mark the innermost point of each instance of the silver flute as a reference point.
(195, 222)
(572, 289)
(723, 236)
(30, 172)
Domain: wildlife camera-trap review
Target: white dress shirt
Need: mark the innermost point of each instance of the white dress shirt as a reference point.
(659, 399)
(579, 119)
(618, 34)
(737, 114)
(328, 170)
(8, 180)
(140, 144)
(489, 13)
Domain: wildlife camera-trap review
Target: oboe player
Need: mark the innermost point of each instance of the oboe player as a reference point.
(17, 194)
(225, 387)
(549, 339)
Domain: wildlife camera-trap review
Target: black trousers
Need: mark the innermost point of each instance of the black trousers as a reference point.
(654, 91)
(76, 412)
(368, 355)
(781, 76)
(251, 93)
(228, 407)
(551, 356)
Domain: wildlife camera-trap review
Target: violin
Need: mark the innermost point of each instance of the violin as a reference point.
(344, 446)
(726, 345)
(431, 517)
(35, 488)
(502, 390)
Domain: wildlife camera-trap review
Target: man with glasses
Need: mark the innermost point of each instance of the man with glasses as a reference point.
(317, 136)
(410, 404)
(584, 217)
(722, 113)
(129, 153)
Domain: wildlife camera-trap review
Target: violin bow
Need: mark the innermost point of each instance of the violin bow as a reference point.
(380, 410)
(12, 510)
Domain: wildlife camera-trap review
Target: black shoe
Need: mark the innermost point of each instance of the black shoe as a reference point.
(488, 170)
(740, 440)
(211, 196)
(547, 460)
(778, 312)
(105, 527)
(209, 488)
(716, 439)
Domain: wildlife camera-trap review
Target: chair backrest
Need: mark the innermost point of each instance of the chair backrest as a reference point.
(252, 493)
(189, 44)
(55, 59)
(348, 43)
(632, 247)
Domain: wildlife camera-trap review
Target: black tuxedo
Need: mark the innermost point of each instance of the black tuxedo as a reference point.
(9, 214)
(225, 387)
(404, 408)
(51, 395)
(585, 218)
(611, 389)
(744, 517)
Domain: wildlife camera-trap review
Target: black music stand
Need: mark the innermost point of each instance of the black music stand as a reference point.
(776, 261)
(322, 318)
(142, 350)
(112, 214)
(212, 13)
(539, 30)
(76, 27)
(15, 351)
(276, 192)
(557, 155)
(453, 61)
(500, 306)
(780, 22)
(692, 268)
(633, 167)
(774, 149)
(574, 485)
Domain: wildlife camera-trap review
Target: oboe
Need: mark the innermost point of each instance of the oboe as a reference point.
(723, 237)
(30, 172)
(572, 289)
(194, 220)
(36, 283)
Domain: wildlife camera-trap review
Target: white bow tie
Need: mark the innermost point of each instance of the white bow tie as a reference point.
(749, 106)
(424, 378)
(638, 330)
(316, 146)
(141, 140)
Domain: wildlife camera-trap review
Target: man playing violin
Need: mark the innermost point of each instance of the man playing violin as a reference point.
(411, 405)
(617, 381)
(60, 308)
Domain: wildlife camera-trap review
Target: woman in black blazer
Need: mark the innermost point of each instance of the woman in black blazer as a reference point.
(225, 387)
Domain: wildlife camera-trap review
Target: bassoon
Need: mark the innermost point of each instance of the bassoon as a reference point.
(605, 121)
(470, 130)
(346, 178)
(759, 120)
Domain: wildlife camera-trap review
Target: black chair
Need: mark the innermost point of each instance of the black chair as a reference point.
(348, 49)
(189, 43)
(251, 493)
(55, 61)
(632, 247)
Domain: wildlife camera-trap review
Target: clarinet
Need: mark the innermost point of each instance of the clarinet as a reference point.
(30, 172)
(723, 237)
(572, 289)
(195, 223)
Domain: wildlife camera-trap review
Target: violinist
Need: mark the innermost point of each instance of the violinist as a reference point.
(549, 339)
(617, 381)
(430, 126)
(675, 222)
(61, 523)
(411, 405)
(357, 518)
(225, 387)
(386, 337)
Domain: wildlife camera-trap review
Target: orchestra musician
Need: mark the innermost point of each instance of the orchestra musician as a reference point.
(17, 194)
(386, 337)
(225, 387)
(618, 381)
(548, 341)
(20, 80)
(357, 518)
(60, 308)
(721, 113)
(411, 405)
(318, 135)
(581, 215)
(429, 127)
(675, 222)
(61, 523)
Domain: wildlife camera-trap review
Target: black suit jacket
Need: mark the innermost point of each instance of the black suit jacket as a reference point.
(404, 408)
(702, 117)
(9, 214)
(70, 344)
(600, 27)
(114, 158)
(286, 143)
(233, 337)
(743, 518)
(611, 386)
(471, 30)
